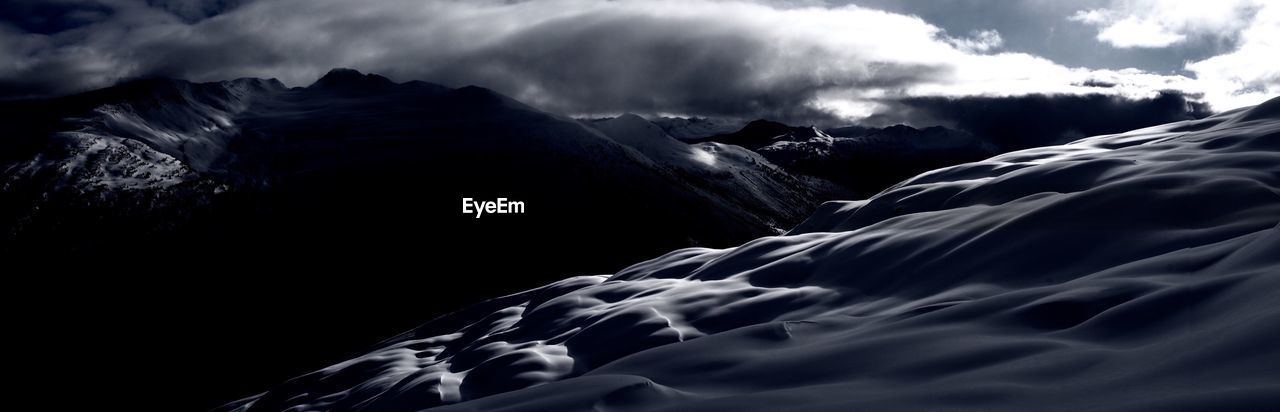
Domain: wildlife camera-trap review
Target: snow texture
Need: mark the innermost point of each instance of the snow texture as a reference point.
(1136, 271)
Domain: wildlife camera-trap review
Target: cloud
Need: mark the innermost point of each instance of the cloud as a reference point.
(1249, 74)
(978, 42)
(44, 17)
(195, 10)
(1038, 119)
(804, 62)
(1244, 75)
(1133, 32)
(1163, 23)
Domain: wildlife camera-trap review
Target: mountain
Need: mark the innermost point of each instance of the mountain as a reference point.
(343, 80)
(696, 128)
(1123, 272)
(849, 131)
(860, 160)
(760, 133)
(248, 195)
(877, 158)
(863, 160)
(257, 151)
(746, 179)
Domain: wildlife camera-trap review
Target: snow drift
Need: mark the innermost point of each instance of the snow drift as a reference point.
(1136, 271)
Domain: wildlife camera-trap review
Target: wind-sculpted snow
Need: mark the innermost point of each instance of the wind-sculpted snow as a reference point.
(1128, 272)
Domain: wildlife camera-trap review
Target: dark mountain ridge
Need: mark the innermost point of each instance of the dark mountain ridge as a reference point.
(865, 160)
(255, 190)
(761, 132)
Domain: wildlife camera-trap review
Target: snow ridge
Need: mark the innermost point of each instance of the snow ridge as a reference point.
(1119, 272)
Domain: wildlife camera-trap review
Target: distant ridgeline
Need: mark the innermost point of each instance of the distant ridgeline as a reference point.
(352, 164)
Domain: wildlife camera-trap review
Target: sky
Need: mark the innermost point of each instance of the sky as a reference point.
(841, 61)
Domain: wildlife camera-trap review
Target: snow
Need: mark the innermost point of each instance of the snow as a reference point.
(92, 162)
(206, 152)
(740, 178)
(650, 140)
(695, 128)
(636, 132)
(189, 121)
(1125, 272)
(143, 136)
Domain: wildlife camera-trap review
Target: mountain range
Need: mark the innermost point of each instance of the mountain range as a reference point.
(1134, 271)
(251, 159)
(267, 230)
(183, 168)
(256, 191)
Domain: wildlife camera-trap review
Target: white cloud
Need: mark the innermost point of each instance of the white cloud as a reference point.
(978, 42)
(1163, 23)
(1133, 32)
(1244, 76)
(1248, 75)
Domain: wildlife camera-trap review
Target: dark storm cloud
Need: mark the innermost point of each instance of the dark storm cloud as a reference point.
(651, 65)
(707, 58)
(789, 61)
(47, 17)
(55, 16)
(1036, 120)
(64, 46)
(194, 10)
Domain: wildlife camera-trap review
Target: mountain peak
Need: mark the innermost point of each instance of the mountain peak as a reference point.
(762, 132)
(256, 83)
(631, 117)
(765, 123)
(899, 128)
(135, 90)
(633, 124)
(350, 79)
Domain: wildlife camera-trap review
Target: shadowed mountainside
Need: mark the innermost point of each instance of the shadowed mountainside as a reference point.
(247, 194)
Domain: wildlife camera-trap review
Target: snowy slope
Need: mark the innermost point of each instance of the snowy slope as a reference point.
(744, 178)
(878, 158)
(640, 134)
(142, 135)
(694, 128)
(1128, 272)
(760, 133)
